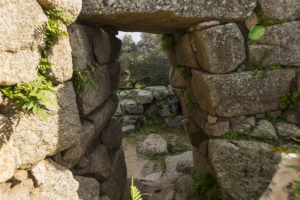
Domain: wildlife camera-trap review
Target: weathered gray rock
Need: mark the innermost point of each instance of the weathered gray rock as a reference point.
(22, 191)
(220, 49)
(82, 47)
(135, 91)
(242, 123)
(161, 93)
(132, 119)
(153, 145)
(172, 15)
(279, 10)
(116, 44)
(127, 129)
(111, 136)
(251, 21)
(174, 121)
(133, 107)
(180, 163)
(101, 45)
(104, 198)
(212, 119)
(20, 51)
(287, 131)
(264, 129)
(152, 110)
(153, 88)
(88, 188)
(91, 99)
(70, 7)
(46, 174)
(57, 158)
(282, 43)
(99, 166)
(195, 133)
(146, 170)
(251, 166)
(144, 97)
(114, 74)
(20, 175)
(281, 187)
(34, 134)
(240, 93)
(118, 111)
(205, 25)
(114, 187)
(7, 164)
(172, 98)
(167, 110)
(200, 159)
(188, 55)
(185, 186)
(217, 129)
(101, 115)
(83, 162)
(175, 78)
(60, 55)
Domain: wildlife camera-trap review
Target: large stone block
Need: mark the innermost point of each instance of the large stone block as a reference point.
(240, 93)
(20, 23)
(153, 145)
(115, 75)
(162, 16)
(282, 42)
(176, 79)
(144, 97)
(91, 99)
(111, 135)
(35, 138)
(243, 168)
(279, 10)
(60, 55)
(116, 45)
(70, 7)
(133, 107)
(81, 44)
(53, 181)
(88, 188)
(220, 49)
(201, 162)
(188, 54)
(101, 45)
(195, 133)
(22, 191)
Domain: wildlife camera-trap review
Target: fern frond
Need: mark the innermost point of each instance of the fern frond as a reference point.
(135, 193)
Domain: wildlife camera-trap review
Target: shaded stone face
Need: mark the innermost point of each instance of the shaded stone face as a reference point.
(162, 16)
(240, 93)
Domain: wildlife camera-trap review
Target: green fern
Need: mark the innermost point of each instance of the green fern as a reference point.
(135, 193)
(44, 65)
(33, 96)
(56, 14)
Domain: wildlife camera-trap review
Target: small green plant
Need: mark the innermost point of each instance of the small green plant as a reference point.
(273, 118)
(44, 65)
(135, 193)
(176, 66)
(205, 186)
(113, 95)
(189, 103)
(256, 32)
(230, 135)
(287, 102)
(274, 142)
(33, 96)
(82, 80)
(185, 72)
(168, 42)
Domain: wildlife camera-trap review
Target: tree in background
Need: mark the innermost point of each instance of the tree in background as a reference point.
(144, 63)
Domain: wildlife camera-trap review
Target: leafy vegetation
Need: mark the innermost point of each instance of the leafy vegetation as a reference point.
(273, 118)
(189, 103)
(287, 101)
(205, 186)
(135, 193)
(256, 32)
(44, 65)
(113, 95)
(185, 73)
(33, 96)
(82, 80)
(168, 42)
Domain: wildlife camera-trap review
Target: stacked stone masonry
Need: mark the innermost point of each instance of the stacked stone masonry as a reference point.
(77, 153)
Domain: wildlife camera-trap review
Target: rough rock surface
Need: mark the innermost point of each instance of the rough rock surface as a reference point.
(185, 186)
(251, 21)
(242, 123)
(20, 51)
(200, 159)
(264, 129)
(81, 44)
(35, 138)
(282, 43)
(187, 53)
(127, 129)
(287, 131)
(133, 107)
(144, 97)
(145, 171)
(240, 93)
(251, 166)
(47, 174)
(22, 191)
(101, 45)
(91, 99)
(114, 74)
(281, 186)
(180, 163)
(131, 119)
(153, 144)
(136, 183)
(116, 45)
(205, 25)
(217, 129)
(279, 10)
(195, 133)
(175, 78)
(220, 49)
(161, 93)
(114, 187)
(174, 121)
(166, 110)
(88, 188)
(111, 136)
(161, 17)
(70, 7)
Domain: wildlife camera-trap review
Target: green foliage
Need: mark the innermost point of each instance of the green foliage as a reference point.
(230, 135)
(82, 80)
(176, 66)
(185, 73)
(135, 193)
(274, 142)
(287, 101)
(113, 95)
(205, 186)
(256, 32)
(273, 118)
(264, 23)
(44, 65)
(251, 42)
(189, 103)
(53, 32)
(168, 42)
(33, 96)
